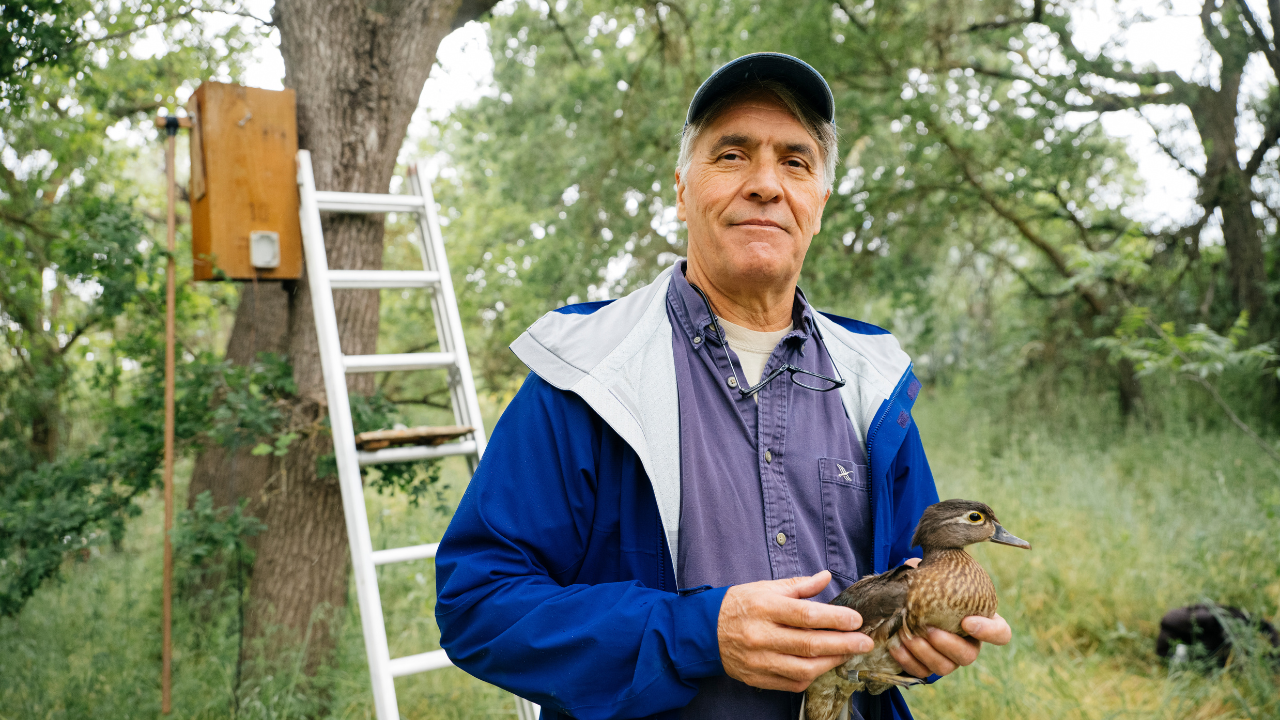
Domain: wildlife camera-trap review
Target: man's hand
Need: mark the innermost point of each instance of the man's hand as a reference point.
(940, 652)
(771, 638)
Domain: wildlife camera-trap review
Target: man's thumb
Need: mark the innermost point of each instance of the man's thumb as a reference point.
(806, 585)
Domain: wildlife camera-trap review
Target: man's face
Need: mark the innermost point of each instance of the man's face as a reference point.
(752, 196)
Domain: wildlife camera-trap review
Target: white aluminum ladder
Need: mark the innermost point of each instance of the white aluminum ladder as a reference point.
(434, 276)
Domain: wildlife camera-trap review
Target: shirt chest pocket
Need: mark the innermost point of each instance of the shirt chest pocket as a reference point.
(846, 514)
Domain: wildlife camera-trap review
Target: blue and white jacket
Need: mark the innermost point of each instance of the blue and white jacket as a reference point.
(556, 579)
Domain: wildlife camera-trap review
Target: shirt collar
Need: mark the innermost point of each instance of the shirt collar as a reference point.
(695, 321)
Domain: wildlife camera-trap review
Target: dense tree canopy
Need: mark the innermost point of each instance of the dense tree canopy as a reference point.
(80, 298)
(980, 209)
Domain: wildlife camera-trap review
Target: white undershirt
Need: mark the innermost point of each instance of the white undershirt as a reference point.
(753, 348)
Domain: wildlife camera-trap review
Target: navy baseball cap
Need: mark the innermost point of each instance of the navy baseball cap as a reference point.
(792, 71)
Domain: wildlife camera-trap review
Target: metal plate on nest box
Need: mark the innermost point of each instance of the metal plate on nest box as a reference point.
(264, 249)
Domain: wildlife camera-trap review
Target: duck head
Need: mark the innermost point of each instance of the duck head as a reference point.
(953, 524)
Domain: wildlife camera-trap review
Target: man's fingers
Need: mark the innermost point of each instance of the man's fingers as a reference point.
(994, 630)
(805, 586)
(819, 616)
(930, 658)
(806, 669)
(793, 674)
(815, 644)
(910, 665)
(779, 671)
(959, 650)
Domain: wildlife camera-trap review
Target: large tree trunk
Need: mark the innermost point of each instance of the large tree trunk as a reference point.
(358, 68)
(1226, 186)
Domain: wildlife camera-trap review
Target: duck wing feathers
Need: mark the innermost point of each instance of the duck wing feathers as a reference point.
(880, 600)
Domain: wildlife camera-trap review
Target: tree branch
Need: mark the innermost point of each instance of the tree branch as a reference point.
(1232, 61)
(1169, 150)
(1037, 12)
(1055, 256)
(1035, 290)
(17, 220)
(848, 11)
(1260, 38)
(1081, 229)
(469, 10)
(1269, 139)
(1110, 102)
(564, 33)
(239, 13)
(84, 327)
(169, 19)
(1103, 66)
(424, 400)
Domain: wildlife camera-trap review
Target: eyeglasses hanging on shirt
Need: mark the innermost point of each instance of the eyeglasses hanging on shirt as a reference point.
(804, 378)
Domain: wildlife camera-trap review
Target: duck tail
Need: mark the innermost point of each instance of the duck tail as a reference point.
(824, 701)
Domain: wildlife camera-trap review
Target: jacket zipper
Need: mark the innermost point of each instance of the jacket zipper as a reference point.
(871, 490)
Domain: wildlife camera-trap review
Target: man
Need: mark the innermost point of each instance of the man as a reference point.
(686, 468)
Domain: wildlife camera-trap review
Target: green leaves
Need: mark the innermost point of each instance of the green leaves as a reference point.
(279, 449)
(37, 33)
(212, 551)
(248, 402)
(414, 479)
(1200, 352)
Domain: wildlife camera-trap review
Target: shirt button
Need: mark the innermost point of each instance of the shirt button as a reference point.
(733, 382)
(768, 456)
(782, 538)
(697, 339)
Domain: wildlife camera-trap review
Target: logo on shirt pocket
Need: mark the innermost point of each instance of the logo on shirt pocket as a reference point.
(846, 514)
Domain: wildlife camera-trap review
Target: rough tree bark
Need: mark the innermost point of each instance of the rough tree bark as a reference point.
(358, 67)
(1227, 186)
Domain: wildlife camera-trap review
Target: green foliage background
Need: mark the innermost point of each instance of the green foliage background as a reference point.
(980, 212)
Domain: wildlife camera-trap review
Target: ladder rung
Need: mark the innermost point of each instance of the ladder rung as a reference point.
(405, 554)
(387, 362)
(346, 202)
(416, 452)
(411, 664)
(379, 279)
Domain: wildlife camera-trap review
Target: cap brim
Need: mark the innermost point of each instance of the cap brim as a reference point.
(791, 71)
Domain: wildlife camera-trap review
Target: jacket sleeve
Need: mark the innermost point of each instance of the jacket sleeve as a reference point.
(913, 491)
(507, 611)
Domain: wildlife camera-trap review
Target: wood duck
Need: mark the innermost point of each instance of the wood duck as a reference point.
(946, 587)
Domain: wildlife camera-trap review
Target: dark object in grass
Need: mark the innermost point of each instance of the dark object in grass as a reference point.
(1197, 631)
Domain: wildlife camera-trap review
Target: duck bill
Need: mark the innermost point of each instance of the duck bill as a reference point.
(1004, 537)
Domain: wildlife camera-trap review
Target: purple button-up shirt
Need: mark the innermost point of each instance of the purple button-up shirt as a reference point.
(768, 491)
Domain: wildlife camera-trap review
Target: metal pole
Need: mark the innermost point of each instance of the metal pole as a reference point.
(166, 653)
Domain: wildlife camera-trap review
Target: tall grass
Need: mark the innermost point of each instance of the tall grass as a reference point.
(1126, 524)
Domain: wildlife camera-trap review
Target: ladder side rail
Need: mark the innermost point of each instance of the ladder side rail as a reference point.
(357, 521)
(438, 308)
(433, 240)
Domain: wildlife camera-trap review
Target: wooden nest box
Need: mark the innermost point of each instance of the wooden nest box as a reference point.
(244, 187)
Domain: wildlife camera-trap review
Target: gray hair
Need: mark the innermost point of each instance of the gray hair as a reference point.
(819, 128)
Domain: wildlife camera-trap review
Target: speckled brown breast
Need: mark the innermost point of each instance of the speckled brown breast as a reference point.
(947, 587)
